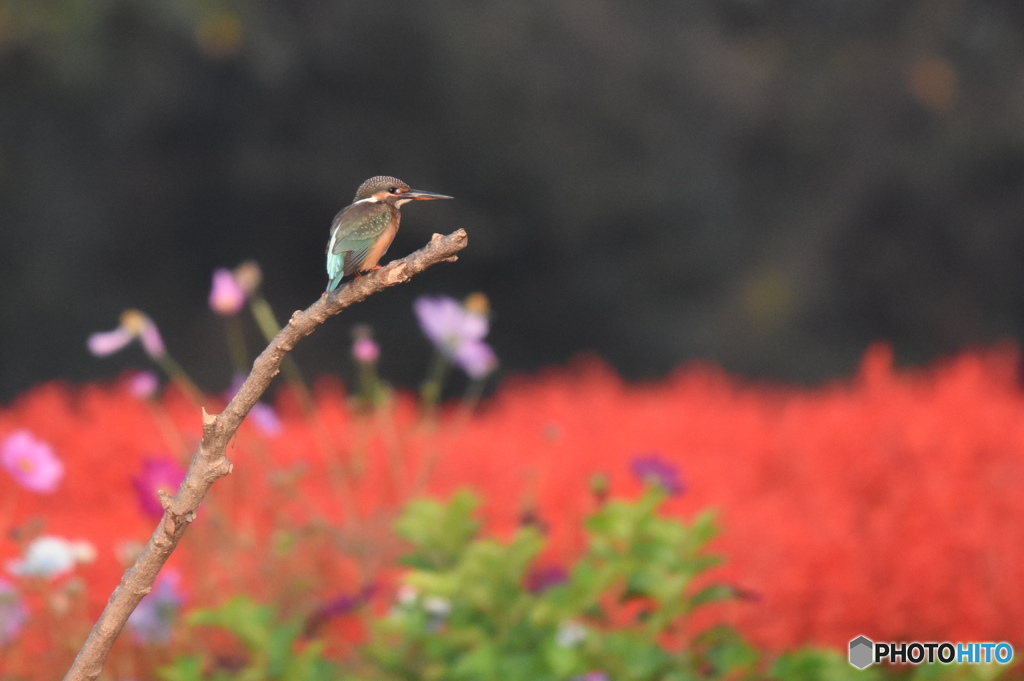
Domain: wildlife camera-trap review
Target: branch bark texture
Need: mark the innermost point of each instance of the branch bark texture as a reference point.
(210, 462)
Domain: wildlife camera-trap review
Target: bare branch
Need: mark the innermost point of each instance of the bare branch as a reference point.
(210, 463)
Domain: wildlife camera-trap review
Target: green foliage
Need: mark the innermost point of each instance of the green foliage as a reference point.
(468, 614)
(271, 647)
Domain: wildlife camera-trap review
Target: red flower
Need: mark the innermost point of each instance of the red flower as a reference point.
(886, 505)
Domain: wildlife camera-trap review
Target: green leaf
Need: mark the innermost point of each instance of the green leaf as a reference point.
(241, 616)
(819, 665)
(711, 594)
(439, 532)
(184, 668)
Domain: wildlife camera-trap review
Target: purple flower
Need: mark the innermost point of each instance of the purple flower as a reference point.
(103, 343)
(156, 474)
(652, 469)
(49, 556)
(265, 418)
(336, 607)
(152, 620)
(542, 579)
(591, 676)
(457, 331)
(134, 324)
(143, 384)
(12, 613)
(226, 296)
(31, 462)
(476, 358)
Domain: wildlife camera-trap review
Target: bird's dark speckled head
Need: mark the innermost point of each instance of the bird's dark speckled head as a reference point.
(379, 184)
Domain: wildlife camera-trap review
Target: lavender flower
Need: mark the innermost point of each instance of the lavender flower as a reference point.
(226, 295)
(156, 474)
(652, 469)
(152, 620)
(457, 331)
(31, 462)
(134, 324)
(50, 556)
(12, 613)
(264, 417)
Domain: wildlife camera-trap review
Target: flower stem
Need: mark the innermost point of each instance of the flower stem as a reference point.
(174, 371)
(430, 392)
(265, 319)
(236, 343)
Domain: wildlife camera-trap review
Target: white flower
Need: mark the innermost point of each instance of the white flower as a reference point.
(51, 557)
(437, 606)
(570, 634)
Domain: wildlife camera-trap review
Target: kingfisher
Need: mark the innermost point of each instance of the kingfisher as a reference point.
(362, 232)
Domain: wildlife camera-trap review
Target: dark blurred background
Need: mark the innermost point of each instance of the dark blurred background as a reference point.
(769, 184)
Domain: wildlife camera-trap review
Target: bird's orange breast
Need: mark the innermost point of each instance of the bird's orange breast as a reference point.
(379, 248)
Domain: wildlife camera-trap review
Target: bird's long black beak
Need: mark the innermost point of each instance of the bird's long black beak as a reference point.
(418, 195)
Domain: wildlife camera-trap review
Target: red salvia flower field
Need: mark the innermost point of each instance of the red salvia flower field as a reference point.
(887, 505)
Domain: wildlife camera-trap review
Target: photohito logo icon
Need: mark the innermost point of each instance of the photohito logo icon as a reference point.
(865, 652)
(861, 652)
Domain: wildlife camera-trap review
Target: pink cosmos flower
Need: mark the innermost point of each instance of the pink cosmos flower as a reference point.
(143, 384)
(226, 296)
(157, 474)
(31, 462)
(134, 324)
(457, 331)
(364, 349)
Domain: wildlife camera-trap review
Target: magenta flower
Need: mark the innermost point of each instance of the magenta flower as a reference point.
(344, 604)
(457, 332)
(156, 474)
(654, 470)
(134, 324)
(152, 620)
(12, 613)
(31, 462)
(226, 296)
(543, 578)
(143, 384)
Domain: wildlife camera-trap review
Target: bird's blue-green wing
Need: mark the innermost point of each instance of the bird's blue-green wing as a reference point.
(353, 233)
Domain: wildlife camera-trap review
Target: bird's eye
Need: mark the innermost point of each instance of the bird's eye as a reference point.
(393, 190)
